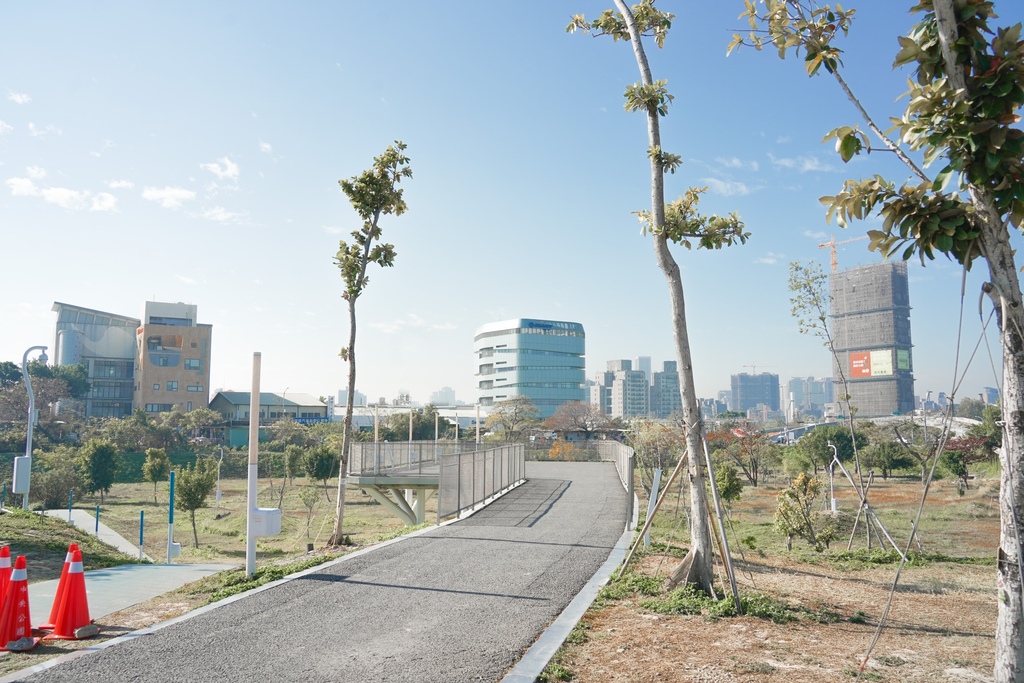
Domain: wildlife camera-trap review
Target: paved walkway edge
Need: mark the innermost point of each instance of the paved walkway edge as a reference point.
(540, 653)
(17, 676)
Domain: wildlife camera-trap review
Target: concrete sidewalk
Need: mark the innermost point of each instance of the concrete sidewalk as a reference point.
(86, 522)
(115, 588)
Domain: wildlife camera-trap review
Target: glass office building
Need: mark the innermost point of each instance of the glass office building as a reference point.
(542, 360)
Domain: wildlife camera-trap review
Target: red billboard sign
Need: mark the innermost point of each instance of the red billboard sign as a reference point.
(860, 364)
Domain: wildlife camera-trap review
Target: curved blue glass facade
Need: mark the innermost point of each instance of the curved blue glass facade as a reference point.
(543, 360)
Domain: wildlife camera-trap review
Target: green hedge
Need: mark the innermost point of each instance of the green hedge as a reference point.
(234, 466)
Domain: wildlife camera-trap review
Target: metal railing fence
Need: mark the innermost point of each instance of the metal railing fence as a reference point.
(407, 457)
(468, 479)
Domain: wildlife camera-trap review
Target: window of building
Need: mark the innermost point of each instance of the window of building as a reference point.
(189, 406)
(156, 387)
(172, 386)
(195, 388)
(159, 407)
(192, 363)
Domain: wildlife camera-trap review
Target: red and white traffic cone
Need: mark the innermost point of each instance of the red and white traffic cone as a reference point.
(61, 588)
(15, 621)
(5, 571)
(73, 622)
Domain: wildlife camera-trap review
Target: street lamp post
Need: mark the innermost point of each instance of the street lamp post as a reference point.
(25, 466)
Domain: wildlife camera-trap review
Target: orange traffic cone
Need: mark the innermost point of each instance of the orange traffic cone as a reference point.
(73, 622)
(5, 571)
(15, 622)
(61, 587)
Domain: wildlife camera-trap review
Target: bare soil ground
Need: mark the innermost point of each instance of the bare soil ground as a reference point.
(940, 626)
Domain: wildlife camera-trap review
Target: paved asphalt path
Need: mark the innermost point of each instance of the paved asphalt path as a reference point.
(460, 603)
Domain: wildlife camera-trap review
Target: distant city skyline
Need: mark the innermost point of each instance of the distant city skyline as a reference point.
(191, 153)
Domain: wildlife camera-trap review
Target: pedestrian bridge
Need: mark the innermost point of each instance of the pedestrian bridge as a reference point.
(403, 476)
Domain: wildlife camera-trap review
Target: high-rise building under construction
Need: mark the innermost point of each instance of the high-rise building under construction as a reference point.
(870, 311)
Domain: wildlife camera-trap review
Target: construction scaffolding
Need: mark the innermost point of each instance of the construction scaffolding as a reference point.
(870, 312)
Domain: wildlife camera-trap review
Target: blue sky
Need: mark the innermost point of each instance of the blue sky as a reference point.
(191, 152)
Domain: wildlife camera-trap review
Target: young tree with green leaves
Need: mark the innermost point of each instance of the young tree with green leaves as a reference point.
(194, 484)
(887, 456)
(310, 499)
(99, 466)
(318, 463)
(156, 467)
(678, 223)
(795, 516)
(962, 111)
(293, 461)
(374, 193)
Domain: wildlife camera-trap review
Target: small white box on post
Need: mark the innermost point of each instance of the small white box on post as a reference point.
(22, 471)
(265, 521)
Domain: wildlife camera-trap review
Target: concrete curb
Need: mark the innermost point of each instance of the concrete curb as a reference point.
(533, 663)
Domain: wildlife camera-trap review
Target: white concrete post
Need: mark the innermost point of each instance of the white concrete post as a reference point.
(254, 441)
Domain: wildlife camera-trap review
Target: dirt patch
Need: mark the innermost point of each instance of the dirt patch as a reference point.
(940, 627)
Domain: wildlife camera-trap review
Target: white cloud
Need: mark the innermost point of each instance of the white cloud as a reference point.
(65, 198)
(802, 164)
(771, 258)
(734, 162)
(815, 234)
(186, 280)
(224, 168)
(22, 187)
(36, 172)
(168, 197)
(783, 139)
(120, 184)
(104, 201)
(18, 97)
(222, 215)
(5, 128)
(266, 147)
(333, 229)
(37, 132)
(107, 144)
(410, 320)
(444, 326)
(813, 164)
(727, 188)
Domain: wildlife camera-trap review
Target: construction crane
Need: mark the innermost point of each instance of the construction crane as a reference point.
(833, 244)
(753, 368)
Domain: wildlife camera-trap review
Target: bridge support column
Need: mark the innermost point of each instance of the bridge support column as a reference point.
(408, 504)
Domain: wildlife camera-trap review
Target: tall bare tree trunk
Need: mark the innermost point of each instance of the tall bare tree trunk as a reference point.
(696, 567)
(339, 513)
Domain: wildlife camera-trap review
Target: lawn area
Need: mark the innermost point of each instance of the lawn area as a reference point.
(221, 527)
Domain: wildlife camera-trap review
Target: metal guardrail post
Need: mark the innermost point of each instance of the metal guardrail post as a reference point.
(630, 489)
